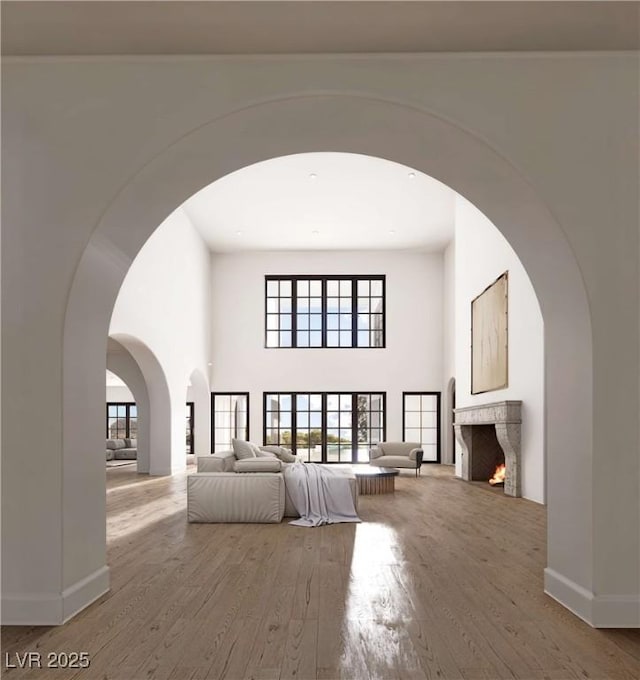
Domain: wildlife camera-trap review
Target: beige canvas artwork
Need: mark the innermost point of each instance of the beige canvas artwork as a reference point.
(489, 344)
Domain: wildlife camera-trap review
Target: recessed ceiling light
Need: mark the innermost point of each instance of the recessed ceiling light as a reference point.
(238, 233)
(209, 364)
(392, 231)
(412, 175)
(315, 232)
(313, 175)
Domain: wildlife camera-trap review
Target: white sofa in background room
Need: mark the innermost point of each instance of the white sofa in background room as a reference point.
(122, 449)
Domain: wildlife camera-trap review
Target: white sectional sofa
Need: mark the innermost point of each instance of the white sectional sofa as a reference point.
(225, 489)
(122, 449)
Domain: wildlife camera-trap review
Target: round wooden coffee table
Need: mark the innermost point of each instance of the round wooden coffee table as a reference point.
(375, 480)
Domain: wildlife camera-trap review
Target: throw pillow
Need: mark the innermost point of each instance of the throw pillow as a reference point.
(256, 450)
(243, 449)
(283, 454)
(265, 454)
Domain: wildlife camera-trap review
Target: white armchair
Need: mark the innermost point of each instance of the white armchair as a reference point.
(397, 455)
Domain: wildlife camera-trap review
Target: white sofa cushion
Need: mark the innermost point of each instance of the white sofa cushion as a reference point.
(266, 454)
(125, 454)
(394, 462)
(398, 448)
(224, 497)
(115, 444)
(258, 465)
(221, 461)
(243, 449)
(283, 454)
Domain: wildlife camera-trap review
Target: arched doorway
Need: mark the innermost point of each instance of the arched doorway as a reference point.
(120, 362)
(358, 125)
(158, 406)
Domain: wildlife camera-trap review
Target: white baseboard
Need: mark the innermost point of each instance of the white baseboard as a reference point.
(599, 611)
(616, 611)
(54, 609)
(574, 597)
(161, 472)
(33, 609)
(84, 592)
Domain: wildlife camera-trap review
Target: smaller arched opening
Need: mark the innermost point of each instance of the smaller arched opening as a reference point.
(159, 404)
(122, 364)
(198, 415)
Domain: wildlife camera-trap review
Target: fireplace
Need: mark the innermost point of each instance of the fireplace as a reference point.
(489, 435)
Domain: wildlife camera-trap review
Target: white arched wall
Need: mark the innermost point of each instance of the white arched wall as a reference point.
(160, 414)
(406, 135)
(416, 139)
(201, 397)
(120, 362)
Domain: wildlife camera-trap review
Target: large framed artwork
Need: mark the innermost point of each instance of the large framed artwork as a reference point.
(489, 340)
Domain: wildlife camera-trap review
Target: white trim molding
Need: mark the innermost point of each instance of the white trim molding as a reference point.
(599, 611)
(82, 593)
(54, 609)
(31, 609)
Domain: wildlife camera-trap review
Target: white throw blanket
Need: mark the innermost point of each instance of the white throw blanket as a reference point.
(320, 494)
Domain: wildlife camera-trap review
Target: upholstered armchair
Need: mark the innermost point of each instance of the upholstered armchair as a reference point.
(397, 455)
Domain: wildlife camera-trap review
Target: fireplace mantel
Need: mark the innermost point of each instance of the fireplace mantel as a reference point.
(506, 418)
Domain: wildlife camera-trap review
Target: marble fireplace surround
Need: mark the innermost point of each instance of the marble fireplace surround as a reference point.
(505, 416)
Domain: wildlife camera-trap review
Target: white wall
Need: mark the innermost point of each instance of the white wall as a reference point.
(411, 361)
(545, 144)
(119, 393)
(164, 303)
(482, 254)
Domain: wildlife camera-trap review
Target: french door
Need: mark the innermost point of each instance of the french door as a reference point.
(421, 422)
(325, 427)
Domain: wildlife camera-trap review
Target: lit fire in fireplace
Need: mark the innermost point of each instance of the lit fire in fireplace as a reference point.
(498, 475)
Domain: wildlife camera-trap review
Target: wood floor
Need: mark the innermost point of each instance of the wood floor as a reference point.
(442, 579)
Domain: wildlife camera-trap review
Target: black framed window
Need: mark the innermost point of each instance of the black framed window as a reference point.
(279, 313)
(190, 424)
(229, 418)
(122, 420)
(329, 427)
(421, 422)
(325, 311)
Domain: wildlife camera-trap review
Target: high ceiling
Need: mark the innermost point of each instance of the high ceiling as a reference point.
(60, 27)
(324, 201)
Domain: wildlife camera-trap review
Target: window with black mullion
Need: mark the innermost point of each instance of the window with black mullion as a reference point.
(309, 312)
(325, 311)
(340, 327)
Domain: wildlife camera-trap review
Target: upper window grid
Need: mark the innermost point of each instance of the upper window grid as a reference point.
(325, 311)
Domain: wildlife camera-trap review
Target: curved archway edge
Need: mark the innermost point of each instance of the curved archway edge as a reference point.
(202, 412)
(377, 128)
(158, 461)
(121, 362)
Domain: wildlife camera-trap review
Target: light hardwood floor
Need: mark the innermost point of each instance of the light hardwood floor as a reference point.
(442, 579)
